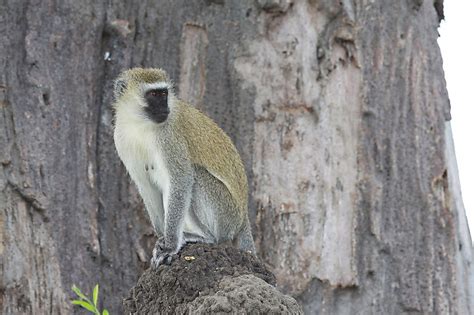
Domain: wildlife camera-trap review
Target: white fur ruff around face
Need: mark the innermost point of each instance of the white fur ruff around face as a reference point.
(156, 85)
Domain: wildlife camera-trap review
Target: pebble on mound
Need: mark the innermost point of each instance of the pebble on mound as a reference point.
(206, 278)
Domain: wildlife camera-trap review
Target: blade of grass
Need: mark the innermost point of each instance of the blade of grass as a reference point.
(95, 294)
(85, 305)
(79, 293)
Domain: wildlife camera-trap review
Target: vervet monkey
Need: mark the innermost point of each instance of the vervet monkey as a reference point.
(187, 170)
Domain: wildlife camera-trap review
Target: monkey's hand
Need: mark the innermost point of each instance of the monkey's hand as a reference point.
(162, 254)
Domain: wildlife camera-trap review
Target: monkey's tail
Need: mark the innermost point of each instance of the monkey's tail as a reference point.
(245, 238)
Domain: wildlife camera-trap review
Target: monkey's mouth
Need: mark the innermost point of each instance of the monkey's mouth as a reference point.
(158, 115)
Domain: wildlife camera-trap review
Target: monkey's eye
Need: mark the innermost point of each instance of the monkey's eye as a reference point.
(157, 92)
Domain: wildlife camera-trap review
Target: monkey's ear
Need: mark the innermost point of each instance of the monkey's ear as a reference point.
(119, 87)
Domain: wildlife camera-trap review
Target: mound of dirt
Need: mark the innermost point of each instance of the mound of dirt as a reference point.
(205, 279)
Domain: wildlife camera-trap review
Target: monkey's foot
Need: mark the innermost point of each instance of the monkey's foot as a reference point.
(161, 254)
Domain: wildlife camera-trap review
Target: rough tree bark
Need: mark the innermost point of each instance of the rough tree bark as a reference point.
(339, 109)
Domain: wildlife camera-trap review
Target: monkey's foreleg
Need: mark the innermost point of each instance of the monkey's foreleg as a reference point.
(177, 203)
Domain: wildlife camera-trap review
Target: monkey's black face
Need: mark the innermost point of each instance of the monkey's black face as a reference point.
(157, 104)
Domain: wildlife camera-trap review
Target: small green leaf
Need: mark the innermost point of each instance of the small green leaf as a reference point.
(79, 293)
(95, 294)
(105, 312)
(85, 305)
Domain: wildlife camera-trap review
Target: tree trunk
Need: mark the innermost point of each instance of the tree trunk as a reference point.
(338, 108)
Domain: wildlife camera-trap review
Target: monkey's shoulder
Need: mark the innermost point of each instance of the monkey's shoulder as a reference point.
(204, 137)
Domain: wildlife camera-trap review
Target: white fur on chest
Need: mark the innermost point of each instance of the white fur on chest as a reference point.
(139, 150)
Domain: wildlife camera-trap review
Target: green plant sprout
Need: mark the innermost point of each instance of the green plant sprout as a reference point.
(86, 303)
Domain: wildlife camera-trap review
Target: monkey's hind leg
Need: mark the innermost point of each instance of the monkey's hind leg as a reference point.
(245, 239)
